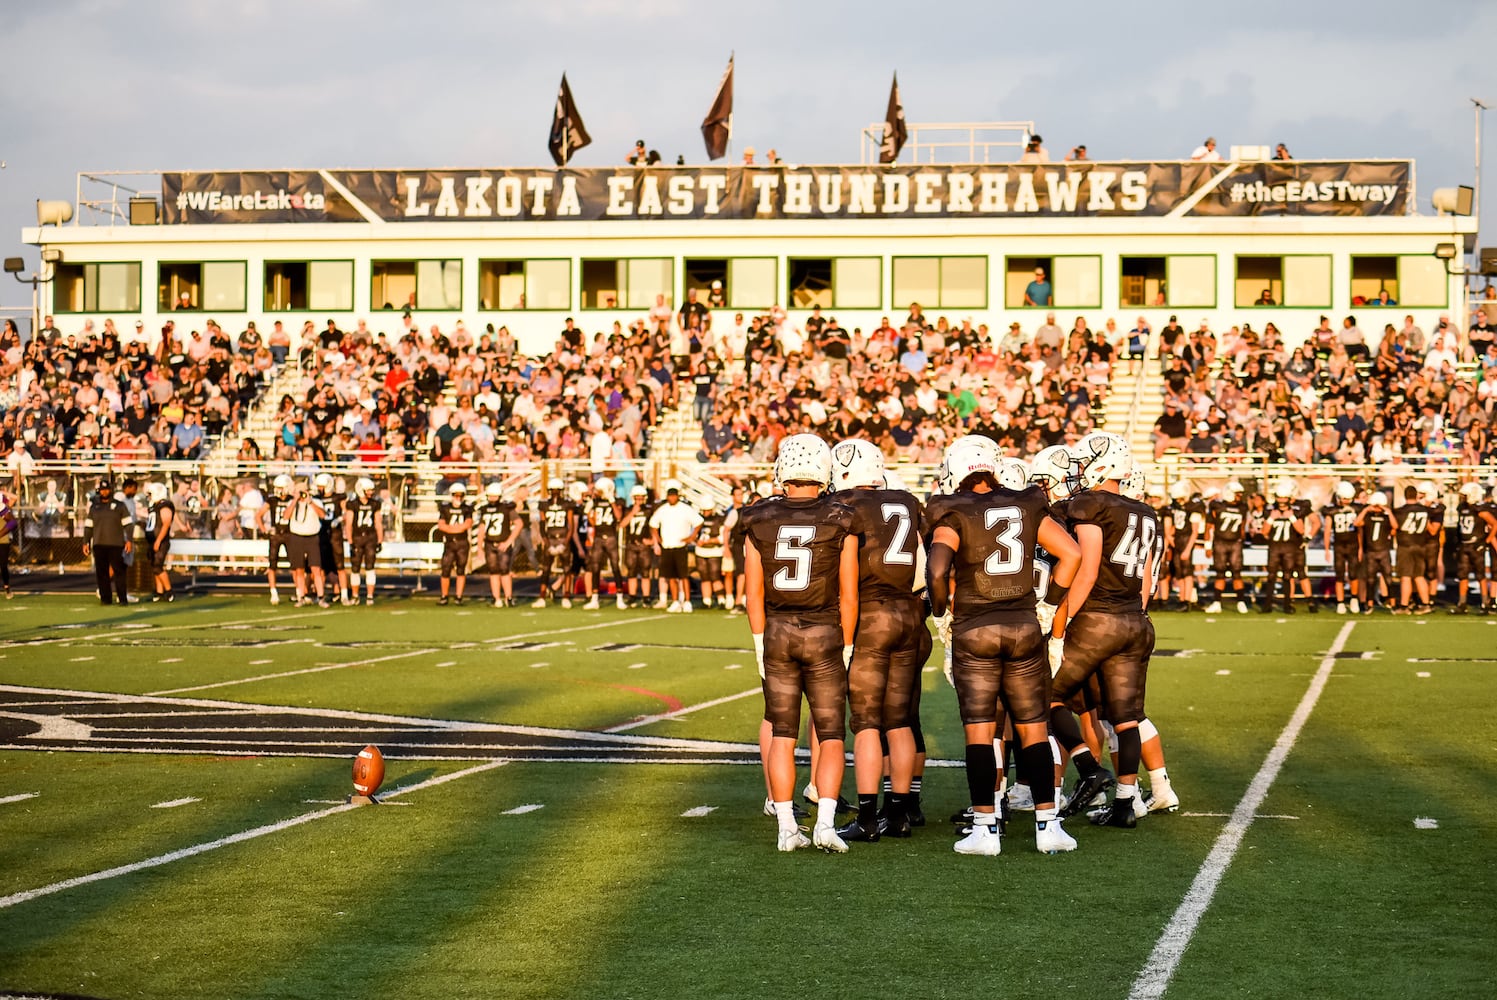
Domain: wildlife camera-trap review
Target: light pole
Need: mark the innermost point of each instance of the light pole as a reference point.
(15, 265)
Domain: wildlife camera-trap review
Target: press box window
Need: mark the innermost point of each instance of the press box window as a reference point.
(209, 286)
(525, 284)
(837, 282)
(419, 284)
(1075, 282)
(626, 283)
(318, 285)
(748, 282)
(1177, 280)
(1409, 280)
(1296, 281)
(96, 288)
(941, 282)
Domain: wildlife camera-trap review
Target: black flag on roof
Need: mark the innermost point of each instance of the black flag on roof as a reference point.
(895, 133)
(717, 127)
(568, 134)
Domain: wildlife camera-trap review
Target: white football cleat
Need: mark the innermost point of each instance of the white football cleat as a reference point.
(674, 609)
(793, 840)
(687, 607)
(660, 605)
(275, 598)
(566, 602)
(1355, 606)
(1214, 608)
(1139, 809)
(1162, 800)
(592, 604)
(623, 605)
(1242, 607)
(825, 837)
(769, 806)
(1340, 607)
(1020, 799)
(539, 602)
(1051, 838)
(983, 841)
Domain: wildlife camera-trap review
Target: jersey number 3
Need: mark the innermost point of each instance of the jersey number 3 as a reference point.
(792, 546)
(1007, 557)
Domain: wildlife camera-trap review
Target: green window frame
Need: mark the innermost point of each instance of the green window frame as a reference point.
(533, 284)
(1293, 281)
(1075, 280)
(1414, 281)
(210, 286)
(939, 282)
(834, 282)
(96, 286)
(436, 282)
(1157, 273)
(742, 288)
(308, 286)
(631, 282)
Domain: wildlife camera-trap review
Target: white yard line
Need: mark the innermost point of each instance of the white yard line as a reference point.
(119, 633)
(577, 628)
(1155, 977)
(522, 810)
(294, 673)
(174, 803)
(188, 852)
(650, 719)
(12, 799)
(697, 812)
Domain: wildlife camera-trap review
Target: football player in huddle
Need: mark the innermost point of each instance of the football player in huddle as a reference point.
(1102, 626)
(455, 524)
(1476, 527)
(577, 496)
(365, 528)
(160, 515)
(1434, 543)
(1375, 526)
(499, 523)
(602, 517)
(639, 548)
(801, 563)
(1184, 521)
(885, 667)
(558, 533)
(1339, 523)
(733, 549)
(1417, 528)
(1226, 517)
(330, 538)
(1287, 527)
(982, 548)
(272, 521)
(709, 551)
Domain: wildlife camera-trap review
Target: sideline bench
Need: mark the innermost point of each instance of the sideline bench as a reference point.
(192, 554)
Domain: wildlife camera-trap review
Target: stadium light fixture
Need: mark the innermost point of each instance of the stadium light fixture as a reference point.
(1445, 251)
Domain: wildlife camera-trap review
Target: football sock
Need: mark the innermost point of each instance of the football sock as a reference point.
(1086, 764)
(1129, 750)
(1159, 781)
(915, 786)
(867, 809)
(1125, 791)
(1066, 729)
(784, 812)
(1037, 768)
(888, 785)
(826, 812)
(982, 772)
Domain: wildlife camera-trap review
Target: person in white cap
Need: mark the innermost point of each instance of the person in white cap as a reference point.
(674, 527)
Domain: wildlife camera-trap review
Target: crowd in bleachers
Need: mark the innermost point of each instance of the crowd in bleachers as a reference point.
(1343, 396)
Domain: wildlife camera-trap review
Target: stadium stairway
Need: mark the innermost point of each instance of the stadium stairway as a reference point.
(260, 423)
(1136, 402)
(679, 436)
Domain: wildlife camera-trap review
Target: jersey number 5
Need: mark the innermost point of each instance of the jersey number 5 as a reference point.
(792, 546)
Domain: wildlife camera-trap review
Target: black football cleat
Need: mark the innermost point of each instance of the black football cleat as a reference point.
(894, 825)
(1087, 787)
(963, 818)
(913, 811)
(857, 831)
(843, 806)
(1119, 814)
(1313, 607)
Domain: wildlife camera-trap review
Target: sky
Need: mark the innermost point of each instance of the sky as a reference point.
(193, 85)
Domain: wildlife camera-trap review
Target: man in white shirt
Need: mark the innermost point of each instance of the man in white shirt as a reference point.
(1206, 151)
(673, 527)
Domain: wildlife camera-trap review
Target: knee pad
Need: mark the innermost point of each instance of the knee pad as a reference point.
(1147, 731)
(1054, 750)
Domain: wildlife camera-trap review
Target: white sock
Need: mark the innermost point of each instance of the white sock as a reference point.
(785, 813)
(826, 812)
(1125, 791)
(1043, 816)
(985, 819)
(1159, 781)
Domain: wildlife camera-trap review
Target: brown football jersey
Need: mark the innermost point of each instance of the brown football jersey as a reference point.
(1129, 529)
(800, 546)
(888, 524)
(994, 563)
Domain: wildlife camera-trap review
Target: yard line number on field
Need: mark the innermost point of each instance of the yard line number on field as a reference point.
(1155, 977)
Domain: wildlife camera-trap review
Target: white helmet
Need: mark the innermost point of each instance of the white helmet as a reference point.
(1103, 457)
(803, 458)
(1428, 490)
(1179, 490)
(1378, 499)
(893, 481)
(576, 490)
(1470, 492)
(1284, 489)
(856, 463)
(494, 491)
(966, 458)
(282, 484)
(1232, 490)
(1345, 491)
(1013, 473)
(459, 487)
(605, 488)
(639, 492)
(364, 486)
(706, 504)
(1053, 470)
(555, 483)
(1134, 486)
(156, 492)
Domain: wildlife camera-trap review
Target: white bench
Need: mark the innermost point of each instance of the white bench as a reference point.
(1255, 561)
(189, 554)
